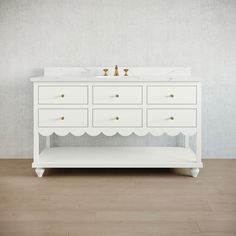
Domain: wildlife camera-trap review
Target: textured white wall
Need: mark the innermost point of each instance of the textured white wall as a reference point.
(197, 33)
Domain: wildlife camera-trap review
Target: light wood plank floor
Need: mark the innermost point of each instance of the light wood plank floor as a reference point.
(128, 202)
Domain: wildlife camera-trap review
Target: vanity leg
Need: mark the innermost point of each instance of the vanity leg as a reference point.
(39, 172)
(194, 172)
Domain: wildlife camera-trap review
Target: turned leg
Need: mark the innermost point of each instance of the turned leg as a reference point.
(39, 172)
(194, 172)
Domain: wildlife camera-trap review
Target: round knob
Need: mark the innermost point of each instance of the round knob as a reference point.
(117, 118)
(62, 95)
(172, 118)
(62, 118)
(172, 95)
(117, 95)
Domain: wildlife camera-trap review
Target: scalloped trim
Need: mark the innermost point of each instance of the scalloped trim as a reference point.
(95, 132)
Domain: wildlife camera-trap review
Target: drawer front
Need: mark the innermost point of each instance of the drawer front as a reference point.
(63, 117)
(63, 94)
(117, 95)
(172, 95)
(117, 118)
(171, 117)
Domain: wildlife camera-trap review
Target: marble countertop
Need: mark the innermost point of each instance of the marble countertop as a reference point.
(135, 74)
(115, 79)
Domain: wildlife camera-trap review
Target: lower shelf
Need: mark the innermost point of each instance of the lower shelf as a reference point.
(117, 157)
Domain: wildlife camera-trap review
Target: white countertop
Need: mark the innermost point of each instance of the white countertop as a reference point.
(136, 74)
(114, 79)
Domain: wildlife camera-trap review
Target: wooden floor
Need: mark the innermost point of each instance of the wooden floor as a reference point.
(128, 202)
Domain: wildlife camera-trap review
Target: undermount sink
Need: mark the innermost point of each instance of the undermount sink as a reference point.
(117, 77)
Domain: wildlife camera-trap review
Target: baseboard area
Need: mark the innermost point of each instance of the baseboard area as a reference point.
(15, 158)
(219, 158)
(30, 157)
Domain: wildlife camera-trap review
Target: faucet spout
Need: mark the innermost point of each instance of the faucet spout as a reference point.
(116, 71)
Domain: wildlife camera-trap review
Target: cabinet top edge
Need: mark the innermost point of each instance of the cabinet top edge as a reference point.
(113, 79)
(135, 74)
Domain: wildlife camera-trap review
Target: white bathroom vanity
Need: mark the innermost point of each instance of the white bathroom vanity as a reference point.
(154, 100)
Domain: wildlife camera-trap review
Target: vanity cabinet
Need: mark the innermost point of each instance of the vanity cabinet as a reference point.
(68, 102)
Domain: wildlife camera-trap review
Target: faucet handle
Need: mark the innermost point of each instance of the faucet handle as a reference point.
(126, 72)
(105, 72)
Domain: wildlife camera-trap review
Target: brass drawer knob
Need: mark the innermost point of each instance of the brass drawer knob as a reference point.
(172, 118)
(62, 118)
(117, 95)
(172, 95)
(62, 95)
(117, 118)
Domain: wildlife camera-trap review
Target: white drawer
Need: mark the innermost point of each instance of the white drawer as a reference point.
(171, 117)
(117, 118)
(117, 95)
(172, 95)
(63, 94)
(63, 117)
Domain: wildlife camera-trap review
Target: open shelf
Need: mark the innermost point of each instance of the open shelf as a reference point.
(117, 157)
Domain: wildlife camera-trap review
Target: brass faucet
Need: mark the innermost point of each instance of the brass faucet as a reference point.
(116, 71)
